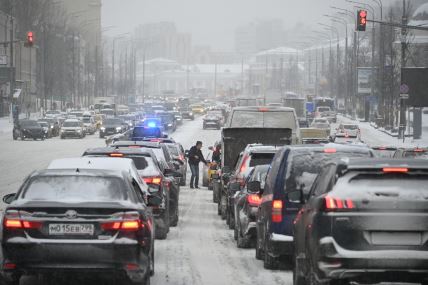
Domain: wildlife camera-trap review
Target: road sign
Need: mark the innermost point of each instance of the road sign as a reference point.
(404, 89)
(404, 96)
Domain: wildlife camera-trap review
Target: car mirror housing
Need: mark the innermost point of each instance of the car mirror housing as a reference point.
(154, 201)
(9, 198)
(253, 186)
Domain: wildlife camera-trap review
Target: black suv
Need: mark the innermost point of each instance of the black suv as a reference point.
(28, 129)
(293, 168)
(364, 221)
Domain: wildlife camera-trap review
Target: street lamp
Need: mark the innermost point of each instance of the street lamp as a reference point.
(118, 37)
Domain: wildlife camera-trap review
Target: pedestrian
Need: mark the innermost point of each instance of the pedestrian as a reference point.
(217, 154)
(195, 156)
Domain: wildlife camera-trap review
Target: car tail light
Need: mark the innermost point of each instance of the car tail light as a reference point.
(181, 157)
(244, 164)
(262, 109)
(277, 211)
(419, 150)
(336, 204)
(330, 150)
(254, 199)
(21, 224)
(153, 180)
(116, 154)
(132, 225)
(395, 170)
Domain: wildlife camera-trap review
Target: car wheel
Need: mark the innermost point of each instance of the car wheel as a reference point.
(43, 138)
(205, 181)
(161, 232)
(297, 278)
(15, 281)
(218, 209)
(269, 262)
(259, 250)
(235, 233)
(174, 221)
(62, 137)
(223, 207)
(231, 221)
(183, 180)
(101, 136)
(152, 263)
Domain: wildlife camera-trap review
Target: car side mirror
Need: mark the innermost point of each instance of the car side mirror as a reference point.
(186, 153)
(296, 196)
(179, 161)
(9, 198)
(253, 187)
(154, 201)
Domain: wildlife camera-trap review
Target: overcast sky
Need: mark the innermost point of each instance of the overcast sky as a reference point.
(211, 22)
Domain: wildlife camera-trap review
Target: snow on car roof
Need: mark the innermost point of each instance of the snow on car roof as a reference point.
(123, 164)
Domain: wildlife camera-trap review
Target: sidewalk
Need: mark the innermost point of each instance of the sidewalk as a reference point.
(6, 123)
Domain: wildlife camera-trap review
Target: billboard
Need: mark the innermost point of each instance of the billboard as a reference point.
(364, 80)
(416, 79)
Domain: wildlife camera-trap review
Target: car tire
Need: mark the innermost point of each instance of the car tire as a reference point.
(62, 137)
(259, 250)
(183, 181)
(16, 281)
(218, 209)
(101, 136)
(297, 279)
(269, 262)
(161, 233)
(231, 222)
(205, 181)
(174, 221)
(223, 207)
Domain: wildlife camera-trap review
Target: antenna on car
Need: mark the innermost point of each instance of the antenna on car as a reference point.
(77, 170)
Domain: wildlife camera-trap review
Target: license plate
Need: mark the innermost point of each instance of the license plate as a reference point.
(71, 229)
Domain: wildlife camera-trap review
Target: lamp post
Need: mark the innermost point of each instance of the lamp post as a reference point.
(118, 37)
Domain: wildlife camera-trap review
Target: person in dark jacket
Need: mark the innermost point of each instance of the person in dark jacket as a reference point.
(195, 156)
(217, 154)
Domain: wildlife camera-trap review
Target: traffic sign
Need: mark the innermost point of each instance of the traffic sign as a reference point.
(404, 89)
(404, 96)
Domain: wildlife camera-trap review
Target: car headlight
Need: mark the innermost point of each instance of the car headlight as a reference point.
(130, 124)
(52, 127)
(169, 125)
(191, 113)
(62, 131)
(118, 128)
(79, 131)
(102, 129)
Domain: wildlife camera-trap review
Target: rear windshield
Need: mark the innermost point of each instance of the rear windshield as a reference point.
(350, 127)
(255, 119)
(150, 168)
(71, 124)
(75, 189)
(384, 153)
(29, 124)
(112, 121)
(86, 119)
(139, 161)
(261, 158)
(416, 154)
(146, 132)
(305, 167)
(324, 109)
(173, 150)
(390, 186)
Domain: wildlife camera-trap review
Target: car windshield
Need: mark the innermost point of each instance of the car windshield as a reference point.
(416, 154)
(113, 121)
(74, 189)
(350, 127)
(68, 124)
(256, 119)
(86, 119)
(173, 150)
(27, 124)
(43, 124)
(146, 132)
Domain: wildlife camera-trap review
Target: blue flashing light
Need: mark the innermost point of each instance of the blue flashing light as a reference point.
(151, 124)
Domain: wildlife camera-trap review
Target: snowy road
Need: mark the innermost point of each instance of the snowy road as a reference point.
(201, 250)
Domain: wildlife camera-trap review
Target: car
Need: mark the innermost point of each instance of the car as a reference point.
(89, 124)
(411, 152)
(47, 130)
(169, 167)
(363, 221)
(52, 113)
(246, 203)
(178, 154)
(28, 129)
(72, 128)
(212, 121)
(253, 155)
(384, 151)
(293, 167)
(178, 117)
(315, 135)
(187, 113)
(112, 126)
(55, 124)
(151, 172)
(197, 108)
(74, 220)
(348, 130)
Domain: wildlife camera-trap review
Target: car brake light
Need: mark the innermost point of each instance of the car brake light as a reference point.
(277, 211)
(395, 170)
(153, 180)
(133, 225)
(134, 146)
(254, 199)
(116, 154)
(20, 224)
(244, 165)
(419, 150)
(334, 204)
(330, 150)
(181, 157)
(263, 109)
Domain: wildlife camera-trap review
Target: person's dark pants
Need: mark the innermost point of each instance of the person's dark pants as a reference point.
(195, 174)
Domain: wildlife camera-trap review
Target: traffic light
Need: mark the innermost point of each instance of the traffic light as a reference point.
(30, 39)
(361, 20)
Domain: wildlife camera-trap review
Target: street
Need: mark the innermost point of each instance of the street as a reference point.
(201, 250)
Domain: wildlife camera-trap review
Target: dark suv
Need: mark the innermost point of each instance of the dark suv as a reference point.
(253, 155)
(28, 129)
(364, 221)
(293, 168)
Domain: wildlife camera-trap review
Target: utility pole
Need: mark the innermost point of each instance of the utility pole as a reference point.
(144, 75)
(12, 71)
(402, 127)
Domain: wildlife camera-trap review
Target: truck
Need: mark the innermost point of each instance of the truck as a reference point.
(104, 103)
(299, 106)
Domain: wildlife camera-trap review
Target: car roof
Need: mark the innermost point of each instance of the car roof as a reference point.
(138, 143)
(80, 172)
(125, 150)
(124, 164)
(257, 148)
(72, 120)
(265, 108)
(381, 163)
(321, 147)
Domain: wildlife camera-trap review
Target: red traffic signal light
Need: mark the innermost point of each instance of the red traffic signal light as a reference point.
(361, 20)
(30, 39)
